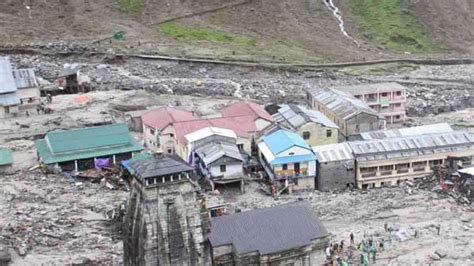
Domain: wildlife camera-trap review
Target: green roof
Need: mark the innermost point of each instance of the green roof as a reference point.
(84, 143)
(6, 157)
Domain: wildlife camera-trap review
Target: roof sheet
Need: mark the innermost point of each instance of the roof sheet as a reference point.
(294, 159)
(467, 171)
(371, 88)
(60, 146)
(282, 140)
(25, 78)
(68, 71)
(409, 131)
(209, 131)
(9, 99)
(159, 166)
(297, 116)
(246, 108)
(333, 152)
(6, 157)
(343, 104)
(268, 230)
(7, 83)
(411, 145)
(162, 117)
(213, 151)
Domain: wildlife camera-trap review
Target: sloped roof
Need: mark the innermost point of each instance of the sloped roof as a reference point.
(343, 104)
(409, 131)
(282, 140)
(159, 166)
(10, 98)
(213, 151)
(243, 126)
(6, 157)
(25, 78)
(162, 117)
(245, 108)
(7, 83)
(297, 116)
(411, 145)
(268, 230)
(371, 88)
(333, 152)
(209, 131)
(82, 143)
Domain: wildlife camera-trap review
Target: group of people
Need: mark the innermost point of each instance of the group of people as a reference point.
(336, 254)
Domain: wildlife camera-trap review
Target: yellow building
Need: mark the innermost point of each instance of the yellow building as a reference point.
(313, 126)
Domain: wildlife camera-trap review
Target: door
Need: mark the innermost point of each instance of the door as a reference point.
(297, 168)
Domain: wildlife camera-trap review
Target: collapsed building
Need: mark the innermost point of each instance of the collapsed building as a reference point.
(85, 148)
(162, 224)
(385, 162)
(288, 234)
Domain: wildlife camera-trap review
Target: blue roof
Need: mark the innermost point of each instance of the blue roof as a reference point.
(294, 159)
(282, 140)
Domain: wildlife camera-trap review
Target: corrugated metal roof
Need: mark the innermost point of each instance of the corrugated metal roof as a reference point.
(213, 151)
(411, 145)
(9, 99)
(25, 78)
(333, 152)
(293, 159)
(210, 131)
(370, 88)
(296, 116)
(282, 140)
(268, 230)
(159, 166)
(6, 157)
(7, 83)
(467, 171)
(409, 131)
(246, 108)
(263, 148)
(343, 104)
(59, 146)
(161, 117)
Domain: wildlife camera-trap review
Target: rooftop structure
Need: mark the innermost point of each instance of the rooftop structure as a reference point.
(409, 131)
(211, 152)
(297, 116)
(84, 143)
(164, 116)
(246, 108)
(279, 229)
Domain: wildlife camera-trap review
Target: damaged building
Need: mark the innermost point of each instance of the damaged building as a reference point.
(288, 234)
(313, 126)
(351, 115)
(335, 167)
(162, 224)
(84, 148)
(287, 158)
(385, 162)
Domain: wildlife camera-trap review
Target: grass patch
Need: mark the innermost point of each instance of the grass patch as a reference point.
(187, 32)
(392, 24)
(134, 7)
(382, 69)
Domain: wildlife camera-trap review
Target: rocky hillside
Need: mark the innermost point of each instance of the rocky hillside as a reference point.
(284, 30)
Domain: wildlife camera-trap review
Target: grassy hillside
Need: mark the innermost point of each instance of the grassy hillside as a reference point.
(392, 23)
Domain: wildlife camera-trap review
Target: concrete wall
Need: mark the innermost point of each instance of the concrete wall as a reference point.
(233, 169)
(362, 123)
(28, 93)
(318, 134)
(13, 110)
(335, 175)
(151, 139)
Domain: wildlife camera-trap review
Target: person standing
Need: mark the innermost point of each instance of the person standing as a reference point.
(352, 238)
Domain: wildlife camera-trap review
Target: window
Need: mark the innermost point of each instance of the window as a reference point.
(328, 133)
(7, 109)
(170, 151)
(172, 135)
(240, 147)
(397, 117)
(384, 94)
(306, 135)
(284, 166)
(291, 153)
(357, 128)
(398, 105)
(399, 93)
(152, 131)
(223, 168)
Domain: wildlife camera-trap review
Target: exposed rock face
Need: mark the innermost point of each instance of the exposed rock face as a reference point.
(162, 226)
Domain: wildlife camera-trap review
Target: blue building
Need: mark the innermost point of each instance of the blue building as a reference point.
(286, 157)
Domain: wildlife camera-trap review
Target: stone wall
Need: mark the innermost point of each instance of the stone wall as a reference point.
(162, 226)
(335, 175)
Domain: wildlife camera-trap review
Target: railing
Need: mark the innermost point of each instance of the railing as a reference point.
(401, 171)
(387, 172)
(369, 174)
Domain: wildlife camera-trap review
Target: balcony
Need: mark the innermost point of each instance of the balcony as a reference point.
(368, 174)
(283, 174)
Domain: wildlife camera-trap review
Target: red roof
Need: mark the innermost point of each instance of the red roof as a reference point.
(243, 126)
(162, 117)
(246, 108)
